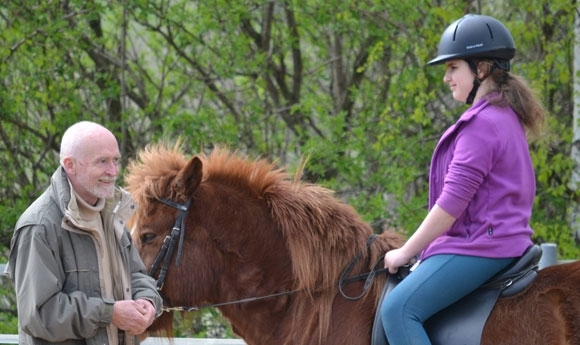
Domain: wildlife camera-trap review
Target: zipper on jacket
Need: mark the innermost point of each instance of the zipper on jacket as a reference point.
(467, 222)
(117, 207)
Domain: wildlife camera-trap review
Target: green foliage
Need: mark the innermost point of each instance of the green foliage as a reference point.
(8, 317)
(207, 323)
(343, 83)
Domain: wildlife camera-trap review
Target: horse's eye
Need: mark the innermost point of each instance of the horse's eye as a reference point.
(146, 238)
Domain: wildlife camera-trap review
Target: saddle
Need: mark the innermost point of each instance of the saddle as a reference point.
(462, 323)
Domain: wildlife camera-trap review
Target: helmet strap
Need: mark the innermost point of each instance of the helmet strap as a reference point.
(476, 82)
(497, 64)
(471, 96)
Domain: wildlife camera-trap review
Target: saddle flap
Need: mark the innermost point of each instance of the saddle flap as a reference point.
(462, 322)
(378, 336)
(459, 323)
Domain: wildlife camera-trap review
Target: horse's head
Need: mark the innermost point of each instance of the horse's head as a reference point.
(228, 244)
(158, 178)
(159, 175)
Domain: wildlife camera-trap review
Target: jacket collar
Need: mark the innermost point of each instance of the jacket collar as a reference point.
(121, 205)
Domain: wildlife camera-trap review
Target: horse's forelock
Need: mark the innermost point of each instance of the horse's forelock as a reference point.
(149, 176)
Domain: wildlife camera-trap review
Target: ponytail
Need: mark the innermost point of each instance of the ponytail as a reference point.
(515, 92)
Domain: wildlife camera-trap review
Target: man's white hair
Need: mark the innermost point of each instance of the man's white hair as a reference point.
(72, 139)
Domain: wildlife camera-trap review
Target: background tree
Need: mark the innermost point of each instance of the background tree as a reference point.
(342, 82)
(575, 147)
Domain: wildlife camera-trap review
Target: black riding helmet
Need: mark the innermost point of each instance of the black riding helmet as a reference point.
(476, 37)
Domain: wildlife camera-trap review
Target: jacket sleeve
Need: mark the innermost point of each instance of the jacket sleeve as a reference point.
(44, 310)
(476, 148)
(142, 285)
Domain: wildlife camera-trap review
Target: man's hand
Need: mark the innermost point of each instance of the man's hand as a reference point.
(148, 309)
(133, 316)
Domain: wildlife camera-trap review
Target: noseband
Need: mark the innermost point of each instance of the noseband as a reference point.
(166, 250)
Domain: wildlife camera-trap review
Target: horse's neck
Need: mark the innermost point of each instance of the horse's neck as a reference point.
(260, 322)
(262, 286)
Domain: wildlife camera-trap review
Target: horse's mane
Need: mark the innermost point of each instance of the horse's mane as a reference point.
(156, 166)
(322, 233)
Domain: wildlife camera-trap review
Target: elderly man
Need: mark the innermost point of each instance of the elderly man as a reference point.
(77, 275)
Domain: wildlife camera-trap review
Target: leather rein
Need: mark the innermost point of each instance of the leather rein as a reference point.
(176, 238)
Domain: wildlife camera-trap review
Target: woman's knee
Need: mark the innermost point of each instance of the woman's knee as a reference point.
(391, 310)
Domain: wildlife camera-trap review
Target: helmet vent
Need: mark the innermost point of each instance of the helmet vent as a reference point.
(456, 29)
(490, 31)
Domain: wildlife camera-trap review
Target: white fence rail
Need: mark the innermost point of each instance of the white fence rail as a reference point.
(8, 339)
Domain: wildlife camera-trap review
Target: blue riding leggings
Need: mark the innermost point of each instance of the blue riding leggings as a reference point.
(436, 283)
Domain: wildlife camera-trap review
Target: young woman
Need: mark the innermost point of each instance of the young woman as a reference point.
(481, 181)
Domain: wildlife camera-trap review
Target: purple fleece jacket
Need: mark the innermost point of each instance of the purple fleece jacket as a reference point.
(482, 174)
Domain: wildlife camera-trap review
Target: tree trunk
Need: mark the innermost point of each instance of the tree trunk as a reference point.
(575, 151)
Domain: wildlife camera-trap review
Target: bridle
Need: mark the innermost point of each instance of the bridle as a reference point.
(166, 253)
(176, 238)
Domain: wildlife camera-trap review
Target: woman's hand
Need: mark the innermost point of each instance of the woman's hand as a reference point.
(396, 258)
(435, 223)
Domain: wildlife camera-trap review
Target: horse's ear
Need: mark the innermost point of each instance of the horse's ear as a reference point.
(189, 178)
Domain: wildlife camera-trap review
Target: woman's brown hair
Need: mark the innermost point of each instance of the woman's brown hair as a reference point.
(515, 92)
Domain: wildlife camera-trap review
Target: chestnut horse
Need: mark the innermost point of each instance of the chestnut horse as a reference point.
(268, 251)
